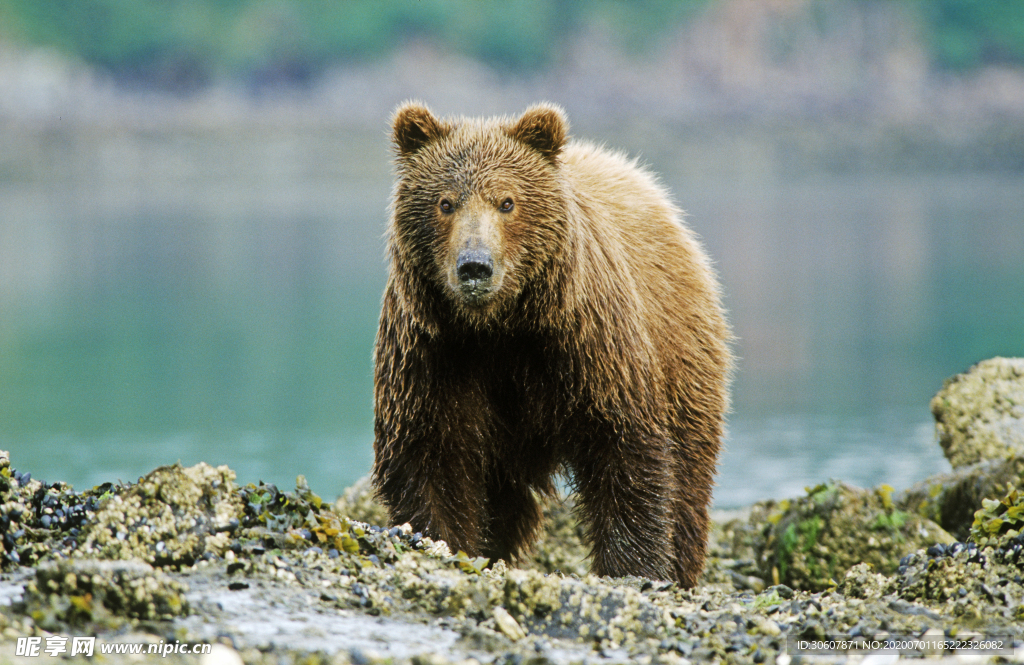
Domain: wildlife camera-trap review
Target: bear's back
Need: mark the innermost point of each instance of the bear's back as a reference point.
(617, 182)
(634, 224)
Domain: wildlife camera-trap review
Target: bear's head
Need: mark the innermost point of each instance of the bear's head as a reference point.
(478, 210)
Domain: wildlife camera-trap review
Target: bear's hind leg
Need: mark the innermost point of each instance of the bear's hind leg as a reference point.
(625, 498)
(690, 537)
(694, 471)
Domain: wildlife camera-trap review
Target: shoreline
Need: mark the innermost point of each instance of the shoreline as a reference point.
(187, 556)
(168, 161)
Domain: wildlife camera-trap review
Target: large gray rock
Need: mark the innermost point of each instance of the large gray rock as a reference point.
(979, 415)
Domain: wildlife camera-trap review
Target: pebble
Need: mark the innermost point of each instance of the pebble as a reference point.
(508, 625)
(221, 654)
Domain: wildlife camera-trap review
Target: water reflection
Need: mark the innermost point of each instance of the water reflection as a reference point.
(779, 456)
(854, 294)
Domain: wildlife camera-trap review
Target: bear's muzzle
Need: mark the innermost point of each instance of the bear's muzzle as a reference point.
(474, 269)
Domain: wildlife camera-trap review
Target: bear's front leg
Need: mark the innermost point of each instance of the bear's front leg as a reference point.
(428, 463)
(435, 494)
(625, 489)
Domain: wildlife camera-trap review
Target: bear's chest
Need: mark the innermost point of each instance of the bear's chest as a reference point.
(522, 379)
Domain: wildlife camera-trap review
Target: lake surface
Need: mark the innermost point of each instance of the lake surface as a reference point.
(212, 295)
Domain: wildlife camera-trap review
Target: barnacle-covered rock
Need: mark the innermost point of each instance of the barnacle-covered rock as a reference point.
(560, 545)
(979, 415)
(862, 582)
(975, 585)
(589, 609)
(360, 503)
(171, 517)
(810, 542)
(35, 516)
(79, 591)
(952, 499)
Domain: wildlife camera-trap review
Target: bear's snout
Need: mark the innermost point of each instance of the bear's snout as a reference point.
(474, 265)
(476, 275)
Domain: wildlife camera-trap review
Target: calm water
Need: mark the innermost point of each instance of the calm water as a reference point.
(190, 297)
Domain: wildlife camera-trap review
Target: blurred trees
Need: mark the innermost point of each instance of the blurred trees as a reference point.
(964, 34)
(183, 44)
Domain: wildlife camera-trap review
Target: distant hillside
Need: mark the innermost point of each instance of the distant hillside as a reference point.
(187, 44)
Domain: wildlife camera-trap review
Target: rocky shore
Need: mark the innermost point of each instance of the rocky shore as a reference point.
(188, 556)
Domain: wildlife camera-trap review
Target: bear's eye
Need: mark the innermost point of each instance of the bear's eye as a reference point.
(506, 205)
(445, 205)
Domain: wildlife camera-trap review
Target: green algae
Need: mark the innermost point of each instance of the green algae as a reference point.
(999, 521)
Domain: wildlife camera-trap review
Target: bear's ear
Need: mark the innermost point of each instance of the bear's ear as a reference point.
(413, 126)
(542, 127)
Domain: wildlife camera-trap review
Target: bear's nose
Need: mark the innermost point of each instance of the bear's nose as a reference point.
(473, 265)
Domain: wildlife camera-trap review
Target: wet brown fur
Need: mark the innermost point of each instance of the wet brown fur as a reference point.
(601, 351)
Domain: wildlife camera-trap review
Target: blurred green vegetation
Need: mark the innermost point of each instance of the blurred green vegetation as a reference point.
(186, 43)
(965, 34)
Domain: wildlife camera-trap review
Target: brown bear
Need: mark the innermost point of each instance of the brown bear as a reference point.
(546, 312)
